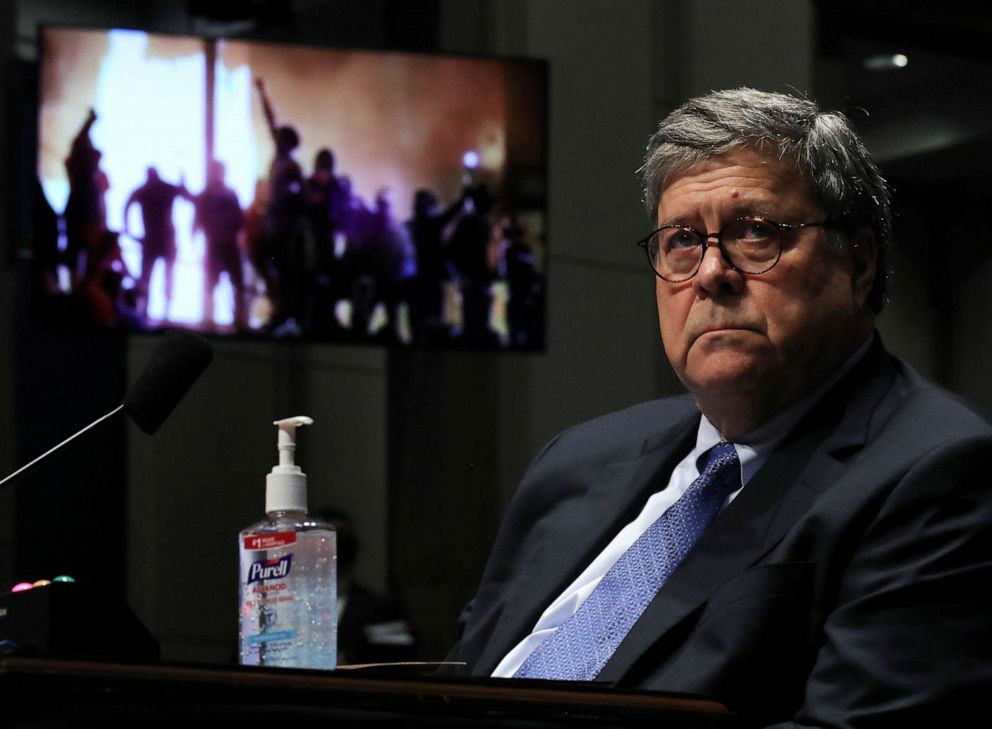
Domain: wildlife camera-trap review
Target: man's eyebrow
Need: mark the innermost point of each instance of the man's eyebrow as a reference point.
(738, 210)
(757, 209)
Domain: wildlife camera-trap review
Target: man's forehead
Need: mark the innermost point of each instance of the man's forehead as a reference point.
(743, 177)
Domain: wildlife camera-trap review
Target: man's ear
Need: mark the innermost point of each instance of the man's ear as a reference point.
(863, 253)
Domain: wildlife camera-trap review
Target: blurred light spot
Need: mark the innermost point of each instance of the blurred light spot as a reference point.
(886, 62)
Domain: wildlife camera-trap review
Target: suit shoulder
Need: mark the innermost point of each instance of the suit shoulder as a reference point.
(643, 419)
(940, 412)
(623, 430)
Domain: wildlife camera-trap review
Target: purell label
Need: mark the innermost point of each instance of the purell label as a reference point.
(269, 541)
(270, 569)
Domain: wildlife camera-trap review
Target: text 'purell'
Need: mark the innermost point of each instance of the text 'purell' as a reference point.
(270, 569)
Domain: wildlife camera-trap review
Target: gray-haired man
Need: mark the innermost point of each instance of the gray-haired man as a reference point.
(807, 535)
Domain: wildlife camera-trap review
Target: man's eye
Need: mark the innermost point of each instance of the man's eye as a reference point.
(756, 230)
(683, 239)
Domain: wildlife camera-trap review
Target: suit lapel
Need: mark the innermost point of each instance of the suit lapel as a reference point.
(806, 463)
(581, 530)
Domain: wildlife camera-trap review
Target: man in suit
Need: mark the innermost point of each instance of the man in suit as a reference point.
(807, 535)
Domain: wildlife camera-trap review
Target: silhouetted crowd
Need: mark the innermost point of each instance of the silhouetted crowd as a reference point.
(308, 258)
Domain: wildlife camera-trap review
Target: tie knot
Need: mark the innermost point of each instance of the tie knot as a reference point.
(720, 460)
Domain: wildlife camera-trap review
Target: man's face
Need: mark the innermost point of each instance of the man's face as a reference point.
(752, 344)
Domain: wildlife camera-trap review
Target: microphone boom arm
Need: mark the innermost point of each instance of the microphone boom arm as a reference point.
(67, 441)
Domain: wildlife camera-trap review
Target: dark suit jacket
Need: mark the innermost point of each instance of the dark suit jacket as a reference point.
(847, 584)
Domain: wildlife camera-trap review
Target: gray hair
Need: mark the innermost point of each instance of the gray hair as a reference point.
(823, 145)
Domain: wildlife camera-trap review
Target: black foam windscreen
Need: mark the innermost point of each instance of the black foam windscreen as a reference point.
(173, 368)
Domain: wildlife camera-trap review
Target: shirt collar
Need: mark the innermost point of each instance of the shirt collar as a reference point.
(754, 448)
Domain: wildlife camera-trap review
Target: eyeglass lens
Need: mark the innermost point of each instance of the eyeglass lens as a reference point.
(752, 245)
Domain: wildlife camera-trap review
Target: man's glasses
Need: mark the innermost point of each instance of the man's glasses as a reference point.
(750, 244)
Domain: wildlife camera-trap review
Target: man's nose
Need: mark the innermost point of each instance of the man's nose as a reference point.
(716, 275)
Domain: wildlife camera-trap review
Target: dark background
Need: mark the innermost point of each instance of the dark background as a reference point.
(424, 448)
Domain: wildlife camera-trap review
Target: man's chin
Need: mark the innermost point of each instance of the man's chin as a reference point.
(729, 374)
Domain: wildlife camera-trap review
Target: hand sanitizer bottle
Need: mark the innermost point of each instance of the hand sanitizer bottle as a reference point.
(288, 576)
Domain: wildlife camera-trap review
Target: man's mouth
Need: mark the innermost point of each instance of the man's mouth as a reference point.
(714, 328)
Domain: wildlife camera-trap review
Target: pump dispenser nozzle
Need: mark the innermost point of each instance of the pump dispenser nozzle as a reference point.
(286, 484)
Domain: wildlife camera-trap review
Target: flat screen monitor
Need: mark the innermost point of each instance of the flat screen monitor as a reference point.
(248, 189)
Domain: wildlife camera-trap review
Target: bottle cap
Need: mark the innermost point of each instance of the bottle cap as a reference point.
(286, 484)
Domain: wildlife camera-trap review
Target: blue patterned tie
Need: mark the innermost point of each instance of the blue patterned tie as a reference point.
(581, 646)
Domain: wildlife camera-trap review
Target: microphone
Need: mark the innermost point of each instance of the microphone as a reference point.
(174, 366)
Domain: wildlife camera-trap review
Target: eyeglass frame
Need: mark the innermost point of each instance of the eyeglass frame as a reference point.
(704, 237)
